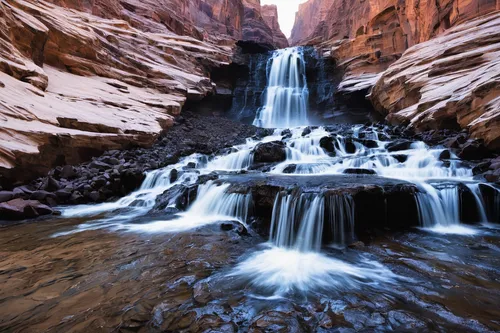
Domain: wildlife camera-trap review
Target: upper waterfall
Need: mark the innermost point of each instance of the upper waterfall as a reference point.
(286, 94)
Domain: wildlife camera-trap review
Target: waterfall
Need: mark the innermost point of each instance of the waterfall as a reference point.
(213, 204)
(298, 220)
(286, 94)
(438, 206)
(340, 218)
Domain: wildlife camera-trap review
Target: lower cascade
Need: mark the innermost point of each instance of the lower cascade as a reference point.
(316, 193)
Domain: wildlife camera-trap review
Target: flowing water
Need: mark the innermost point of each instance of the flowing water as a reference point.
(396, 282)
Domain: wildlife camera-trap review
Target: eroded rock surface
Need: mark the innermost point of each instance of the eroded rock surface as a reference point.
(74, 85)
(450, 81)
(270, 16)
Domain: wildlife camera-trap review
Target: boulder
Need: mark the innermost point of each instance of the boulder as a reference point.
(270, 152)
(397, 145)
(473, 150)
(20, 209)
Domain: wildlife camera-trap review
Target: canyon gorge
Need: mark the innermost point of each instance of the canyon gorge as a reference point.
(185, 166)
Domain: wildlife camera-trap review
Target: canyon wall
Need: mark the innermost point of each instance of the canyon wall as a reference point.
(270, 16)
(257, 29)
(366, 39)
(310, 21)
(81, 77)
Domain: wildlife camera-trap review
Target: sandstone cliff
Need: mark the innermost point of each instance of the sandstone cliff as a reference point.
(270, 16)
(73, 84)
(311, 21)
(256, 29)
(451, 81)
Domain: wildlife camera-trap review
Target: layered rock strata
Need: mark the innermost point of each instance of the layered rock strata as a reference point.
(73, 85)
(451, 81)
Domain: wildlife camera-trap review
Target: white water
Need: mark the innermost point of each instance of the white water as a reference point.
(286, 93)
(213, 204)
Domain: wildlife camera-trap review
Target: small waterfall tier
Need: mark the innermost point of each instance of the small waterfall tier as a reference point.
(286, 95)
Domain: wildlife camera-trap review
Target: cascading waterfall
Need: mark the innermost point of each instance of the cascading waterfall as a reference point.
(287, 95)
(340, 218)
(297, 221)
(213, 204)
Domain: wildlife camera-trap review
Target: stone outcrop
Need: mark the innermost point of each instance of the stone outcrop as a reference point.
(311, 21)
(452, 80)
(365, 37)
(255, 27)
(197, 18)
(73, 84)
(270, 16)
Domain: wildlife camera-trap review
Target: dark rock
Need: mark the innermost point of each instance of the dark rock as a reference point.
(94, 196)
(68, 172)
(356, 245)
(401, 158)
(368, 143)
(481, 167)
(327, 144)
(42, 195)
(76, 198)
(349, 145)
(445, 155)
(6, 196)
(270, 152)
(473, 150)
(99, 165)
(291, 168)
(131, 179)
(63, 194)
(50, 184)
(398, 145)
(174, 175)
(360, 171)
(306, 131)
(20, 209)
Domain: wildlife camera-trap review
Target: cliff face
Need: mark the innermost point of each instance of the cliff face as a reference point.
(311, 21)
(73, 84)
(270, 16)
(183, 17)
(429, 86)
(452, 80)
(257, 29)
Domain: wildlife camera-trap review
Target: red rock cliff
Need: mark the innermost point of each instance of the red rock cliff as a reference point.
(311, 17)
(270, 16)
(255, 27)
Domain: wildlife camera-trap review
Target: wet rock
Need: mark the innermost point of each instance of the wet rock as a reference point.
(6, 196)
(275, 321)
(306, 131)
(131, 179)
(348, 145)
(356, 245)
(368, 143)
(445, 155)
(327, 144)
(174, 175)
(399, 145)
(473, 150)
(360, 171)
(400, 320)
(481, 167)
(20, 209)
(179, 196)
(290, 168)
(401, 158)
(270, 152)
(478, 246)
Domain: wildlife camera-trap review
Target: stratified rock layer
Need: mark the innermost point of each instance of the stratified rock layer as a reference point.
(103, 85)
(311, 21)
(452, 80)
(256, 28)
